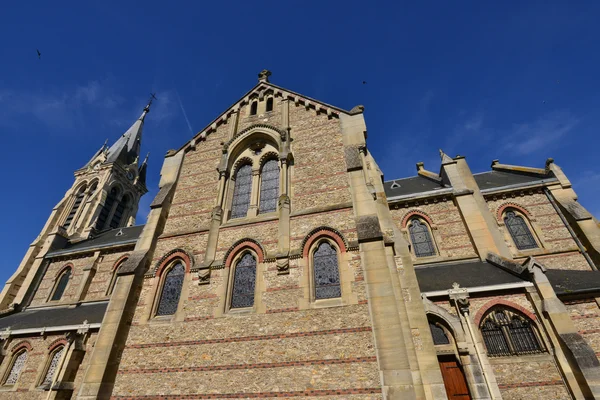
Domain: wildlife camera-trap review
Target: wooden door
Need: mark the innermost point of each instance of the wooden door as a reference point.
(454, 379)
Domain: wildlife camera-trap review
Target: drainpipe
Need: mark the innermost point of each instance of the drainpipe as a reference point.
(571, 231)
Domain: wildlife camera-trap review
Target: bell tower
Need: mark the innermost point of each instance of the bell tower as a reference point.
(108, 188)
(105, 195)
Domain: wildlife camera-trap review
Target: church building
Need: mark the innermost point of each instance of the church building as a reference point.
(277, 262)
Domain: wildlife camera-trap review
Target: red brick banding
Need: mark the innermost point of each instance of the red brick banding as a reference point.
(279, 288)
(496, 302)
(56, 343)
(245, 244)
(418, 213)
(251, 338)
(517, 207)
(529, 384)
(282, 310)
(229, 367)
(24, 344)
(314, 236)
(253, 395)
(121, 259)
(187, 262)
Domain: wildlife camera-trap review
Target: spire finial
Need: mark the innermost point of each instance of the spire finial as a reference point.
(147, 108)
(146, 158)
(263, 76)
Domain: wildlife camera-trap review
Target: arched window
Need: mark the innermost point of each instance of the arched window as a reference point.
(269, 187)
(421, 239)
(107, 208)
(505, 333)
(326, 272)
(519, 231)
(118, 214)
(244, 281)
(61, 284)
(269, 104)
(254, 108)
(113, 279)
(17, 364)
(241, 192)
(438, 333)
(171, 290)
(52, 366)
(78, 200)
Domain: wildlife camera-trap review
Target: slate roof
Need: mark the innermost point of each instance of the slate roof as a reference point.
(50, 317)
(467, 274)
(104, 239)
(412, 185)
(573, 282)
(495, 179)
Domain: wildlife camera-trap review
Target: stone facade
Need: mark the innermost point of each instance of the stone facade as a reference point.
(210, 302)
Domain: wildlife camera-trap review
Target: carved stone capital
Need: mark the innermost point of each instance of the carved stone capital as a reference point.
(283, 265)
(283, 201)
(217, 214)
(460, 296)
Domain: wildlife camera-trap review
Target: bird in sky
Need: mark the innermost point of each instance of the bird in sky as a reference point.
(39, 54)
(364, 82)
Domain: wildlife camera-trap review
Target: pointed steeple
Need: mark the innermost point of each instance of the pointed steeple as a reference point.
(127, 148)
(143, 168)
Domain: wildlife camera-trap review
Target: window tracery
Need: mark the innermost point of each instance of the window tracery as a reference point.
(421, 239)
(171, 290)
(269, 187)
(78, 200)
(53, 365)
(438, 334)
(326, 272)
(506, 333)
(519, 231)
(244, 282)
(16, 368)
(241, 192)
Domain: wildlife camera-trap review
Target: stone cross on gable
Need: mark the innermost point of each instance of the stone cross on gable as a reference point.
(263, 76)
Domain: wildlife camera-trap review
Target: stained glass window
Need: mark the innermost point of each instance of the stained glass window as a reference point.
(76, 205)
(439, 336)
(269, 187)
(327, 276)
(421, 239)
(244, 280)
(53, 366)
(118, 215)
(241, 192)
(16, 368)
(518, 229)
(505, 332)
(106, 209)
(63, 281)
(171, 291)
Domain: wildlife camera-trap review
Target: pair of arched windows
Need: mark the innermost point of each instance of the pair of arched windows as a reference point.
(505, 332)
(17, 363)
(113, 209)
(242, 190)
(254, 106)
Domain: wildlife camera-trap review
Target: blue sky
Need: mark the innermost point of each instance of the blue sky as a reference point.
(515, 81)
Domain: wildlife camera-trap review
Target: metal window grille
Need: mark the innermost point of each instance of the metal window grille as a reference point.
(269, 187)
(171, 291)
(506, 333)
(76, 205)
(421, 239)
(244, 280)
(439, 336)
(118, 215)
(241, 192)
(327, 276)
(52, 366)
(519, 231)
(16, 368)
(63, 281)
(106, 209)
